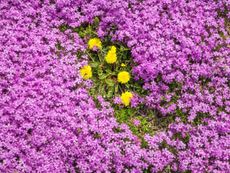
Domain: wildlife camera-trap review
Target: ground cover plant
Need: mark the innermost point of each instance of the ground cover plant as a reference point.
(115, 86)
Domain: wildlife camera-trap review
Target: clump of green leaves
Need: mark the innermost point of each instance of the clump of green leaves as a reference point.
(104, 74)
(105, 83)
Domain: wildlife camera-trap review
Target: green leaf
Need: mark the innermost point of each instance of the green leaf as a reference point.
(81, 34)
(94, 64)
(63, 27)
(101, 89)
(96, 22)
(99, 71)
(103, 76)
(110, 92)
(116, 88)
(109, 82)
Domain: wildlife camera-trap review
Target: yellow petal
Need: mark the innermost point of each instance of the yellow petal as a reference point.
(123, 77)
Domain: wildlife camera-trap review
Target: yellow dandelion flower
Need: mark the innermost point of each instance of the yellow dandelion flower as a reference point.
(126, 98)
(123, 77)
(94, 42)
(123, 65)
(86, 72)
(111, 56)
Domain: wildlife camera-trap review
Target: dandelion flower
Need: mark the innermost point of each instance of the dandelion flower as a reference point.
(94, 42)
(123, 77)
(123, 65)
(111, 56)
(126, 98)
(86, 72)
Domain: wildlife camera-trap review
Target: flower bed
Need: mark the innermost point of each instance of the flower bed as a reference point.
(114, 86)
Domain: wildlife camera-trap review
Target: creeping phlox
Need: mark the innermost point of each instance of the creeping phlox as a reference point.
(180, 53)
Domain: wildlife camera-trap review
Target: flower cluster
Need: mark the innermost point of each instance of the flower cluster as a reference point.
(126, 97)
(123, 77)
(86, 72)
(94, 43)
(104, 74)
(111, 56)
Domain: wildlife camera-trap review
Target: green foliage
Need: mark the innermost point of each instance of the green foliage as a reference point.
(105, 79)
(148, 170)
(204, 81)
(104, 74)
(105, 83)
(59, 46)
(180, 137)
(87, 30)
(175, 86)
(63, 27)
(200, 118)
(144, 116)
